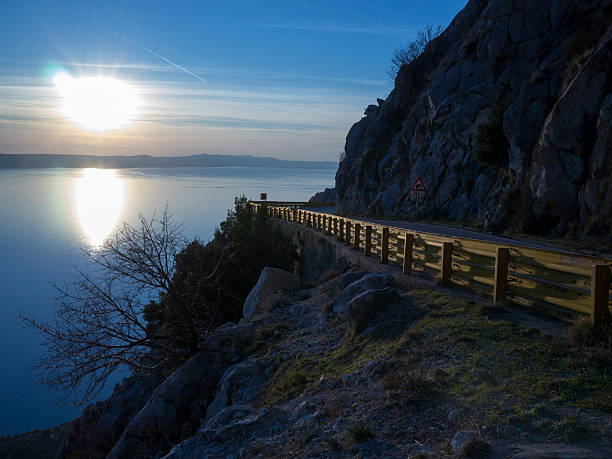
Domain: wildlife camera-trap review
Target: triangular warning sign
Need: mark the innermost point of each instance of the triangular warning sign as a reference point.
(418, 185)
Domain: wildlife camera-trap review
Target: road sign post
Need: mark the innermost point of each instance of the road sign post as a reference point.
(418, 191)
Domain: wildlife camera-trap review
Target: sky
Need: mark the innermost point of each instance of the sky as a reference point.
(269, 78)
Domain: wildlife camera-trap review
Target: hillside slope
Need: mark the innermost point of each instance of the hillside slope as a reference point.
(508, 112)
(395, 373)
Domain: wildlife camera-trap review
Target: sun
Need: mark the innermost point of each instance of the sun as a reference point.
(97, 103)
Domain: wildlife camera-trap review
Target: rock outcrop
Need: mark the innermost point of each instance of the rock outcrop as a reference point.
(328, 195)
(273, 284)
(374, 281)
(94, 433)
(181, 401)
(538, 71)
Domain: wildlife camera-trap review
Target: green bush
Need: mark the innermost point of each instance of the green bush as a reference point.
(491, 143)
(213, 280)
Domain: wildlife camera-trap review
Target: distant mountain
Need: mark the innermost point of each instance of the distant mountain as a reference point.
(27, 161)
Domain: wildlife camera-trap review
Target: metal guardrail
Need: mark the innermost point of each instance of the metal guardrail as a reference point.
(294, 204)
(523, 275)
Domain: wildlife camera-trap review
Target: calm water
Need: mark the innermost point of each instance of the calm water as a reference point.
(47, 215)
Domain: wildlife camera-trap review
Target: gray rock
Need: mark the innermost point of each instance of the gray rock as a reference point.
(461, 438)
(225, 439)
(328, 195)
(342, 281)
(162, 421)
(239, 385)
(553, 450)
(100, 425)
(368, 282)
(556, 123)
(364, 307)
(273, 284)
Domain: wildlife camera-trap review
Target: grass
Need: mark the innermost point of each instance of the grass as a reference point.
(583, 333)
(503, 358)
(435, 353)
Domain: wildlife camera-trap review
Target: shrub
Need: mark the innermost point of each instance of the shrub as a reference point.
(413, 49)
(360, 433)
(476, 448)
(491, 143)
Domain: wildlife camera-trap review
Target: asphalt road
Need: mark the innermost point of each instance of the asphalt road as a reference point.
(450, 231)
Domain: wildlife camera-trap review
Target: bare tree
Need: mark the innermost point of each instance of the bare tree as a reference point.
(412, 50)
(99, 324)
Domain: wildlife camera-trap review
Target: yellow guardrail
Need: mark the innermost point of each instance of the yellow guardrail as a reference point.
(523, 275)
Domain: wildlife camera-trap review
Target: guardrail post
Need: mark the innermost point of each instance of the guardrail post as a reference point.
(357, 236)
(408, 245)
(341, 229)
(600, 284)
(447, 262)
(319, 222)
(335, 231)
(367, 249)
(347, 230)
(384, 245)
(502, 259)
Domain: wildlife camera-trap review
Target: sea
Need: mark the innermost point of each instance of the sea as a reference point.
(49, 216)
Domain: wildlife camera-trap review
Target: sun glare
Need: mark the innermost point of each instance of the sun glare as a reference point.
(99, 195)
(97, 103)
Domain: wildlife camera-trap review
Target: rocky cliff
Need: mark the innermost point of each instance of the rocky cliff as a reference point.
(508, 112)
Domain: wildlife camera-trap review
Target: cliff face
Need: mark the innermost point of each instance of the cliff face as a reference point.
(539, 72)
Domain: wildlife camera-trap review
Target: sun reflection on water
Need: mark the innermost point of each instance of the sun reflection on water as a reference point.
(98, 197)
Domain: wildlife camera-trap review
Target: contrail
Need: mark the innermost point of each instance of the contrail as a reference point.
(153, 53)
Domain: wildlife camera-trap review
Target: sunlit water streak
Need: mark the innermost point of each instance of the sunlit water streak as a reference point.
(98, 198)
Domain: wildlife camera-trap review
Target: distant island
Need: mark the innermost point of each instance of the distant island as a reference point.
(35, 161)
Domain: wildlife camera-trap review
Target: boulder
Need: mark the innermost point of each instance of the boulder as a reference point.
(372, 281)
(239, 385)
(273, 284)
(94, 433)
(461, 438)
(364, 307)
(243, 427)
(176, 408)
(340, 282)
